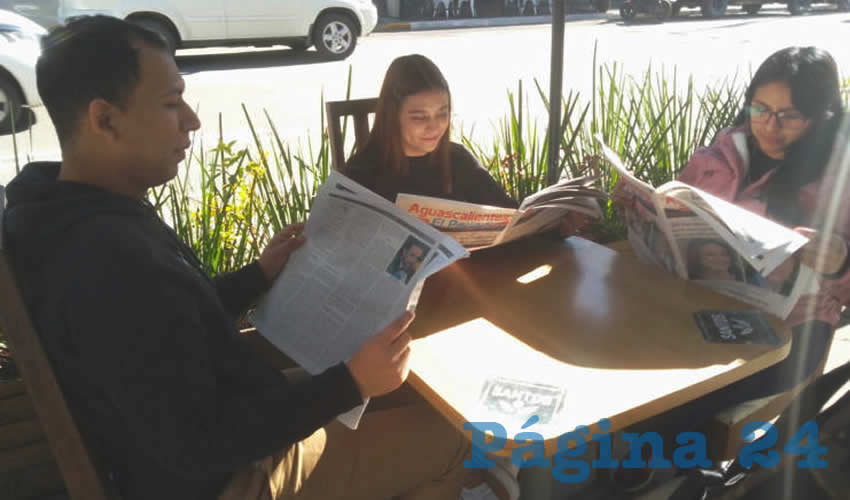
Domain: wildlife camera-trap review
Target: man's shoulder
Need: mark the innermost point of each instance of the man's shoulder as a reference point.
(111, 232)
(102, 244)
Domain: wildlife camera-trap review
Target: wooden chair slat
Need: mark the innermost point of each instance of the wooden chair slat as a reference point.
(32, 482)
(16, 408)
(25, 456)
(11, 388)
(20, 433)
(82, 479)
(359, 109)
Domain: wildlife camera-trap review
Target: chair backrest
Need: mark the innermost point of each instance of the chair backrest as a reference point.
(82, 479)
(359, 110)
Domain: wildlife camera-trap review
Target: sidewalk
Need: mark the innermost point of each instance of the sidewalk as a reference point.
(386, 25)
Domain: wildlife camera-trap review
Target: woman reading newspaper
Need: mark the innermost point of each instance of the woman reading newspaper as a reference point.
(773, 161)
(409, 149)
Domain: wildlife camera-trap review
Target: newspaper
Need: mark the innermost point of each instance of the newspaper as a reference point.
(364, 262)
(715, 243)
(481, 226)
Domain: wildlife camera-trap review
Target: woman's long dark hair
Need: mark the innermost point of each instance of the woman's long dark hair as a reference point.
(406, 76)
(812, 76)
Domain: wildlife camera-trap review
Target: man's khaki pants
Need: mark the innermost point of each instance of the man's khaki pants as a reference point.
(409, 452)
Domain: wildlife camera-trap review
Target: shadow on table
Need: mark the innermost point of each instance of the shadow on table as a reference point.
(576, 311)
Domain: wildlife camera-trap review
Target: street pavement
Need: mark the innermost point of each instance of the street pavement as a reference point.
(481, 65)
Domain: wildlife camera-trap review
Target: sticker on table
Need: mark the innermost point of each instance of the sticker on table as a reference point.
(735, 327)
(517, 401)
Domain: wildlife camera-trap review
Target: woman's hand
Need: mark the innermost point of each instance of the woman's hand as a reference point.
(825, 252)
(572, 224)
(281, 246)
(623, 197)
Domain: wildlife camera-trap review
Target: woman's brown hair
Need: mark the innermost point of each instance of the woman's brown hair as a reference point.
(406, 76)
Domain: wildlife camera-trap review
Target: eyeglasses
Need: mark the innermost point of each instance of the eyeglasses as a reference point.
(784, 119)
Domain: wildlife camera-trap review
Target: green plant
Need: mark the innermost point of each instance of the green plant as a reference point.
(649, 121)
(242, 195)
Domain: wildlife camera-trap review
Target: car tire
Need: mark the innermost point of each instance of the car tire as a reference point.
(797, 7)
(11, 103)
(627, 12)
(714, 8)
(677, 8)
(161, 28)
(663, 10)
(335, 36)
(441, 11)
(752, 8)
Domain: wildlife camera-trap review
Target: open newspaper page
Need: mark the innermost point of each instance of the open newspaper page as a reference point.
(715, 258)
(763, 243)
(716, 243)
(647, 229)
(362, 265)
(473, 226)
(480, 226)
(544, 210)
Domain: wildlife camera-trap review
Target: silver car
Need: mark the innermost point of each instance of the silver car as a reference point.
(20, 46)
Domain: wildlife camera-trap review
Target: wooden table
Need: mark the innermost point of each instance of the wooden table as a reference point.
(615, 335)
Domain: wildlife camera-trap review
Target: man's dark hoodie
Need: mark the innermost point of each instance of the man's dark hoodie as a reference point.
(145, 346)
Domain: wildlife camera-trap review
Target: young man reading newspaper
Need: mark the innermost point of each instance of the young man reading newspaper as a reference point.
(144, 344)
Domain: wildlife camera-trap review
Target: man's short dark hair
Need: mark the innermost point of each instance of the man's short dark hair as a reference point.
(91, 57)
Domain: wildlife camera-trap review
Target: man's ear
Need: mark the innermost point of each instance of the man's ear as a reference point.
(103, 119)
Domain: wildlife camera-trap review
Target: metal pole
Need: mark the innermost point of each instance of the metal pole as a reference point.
(556, 80)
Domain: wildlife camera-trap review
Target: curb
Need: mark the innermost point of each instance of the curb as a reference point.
(480, 22)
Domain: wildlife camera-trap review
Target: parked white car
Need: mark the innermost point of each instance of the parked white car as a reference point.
(20, 46)
(332, 26)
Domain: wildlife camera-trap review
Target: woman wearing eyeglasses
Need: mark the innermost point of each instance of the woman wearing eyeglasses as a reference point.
(773, 161)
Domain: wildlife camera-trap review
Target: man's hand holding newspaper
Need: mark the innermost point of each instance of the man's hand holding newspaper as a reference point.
(362, 265)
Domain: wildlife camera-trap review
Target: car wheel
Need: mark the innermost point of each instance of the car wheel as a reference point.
(335, 36)
(161, 28)
(627, 12)
(663, 10)
(677, 7)
(441, 12)
(797, 7)
(426, 10)
(752, 8)
(11, 101)
(794, 7)
(714, 8)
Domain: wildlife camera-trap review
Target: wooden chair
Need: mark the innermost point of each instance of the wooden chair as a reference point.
(724, 432)
(359, 109)
(83, 480)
